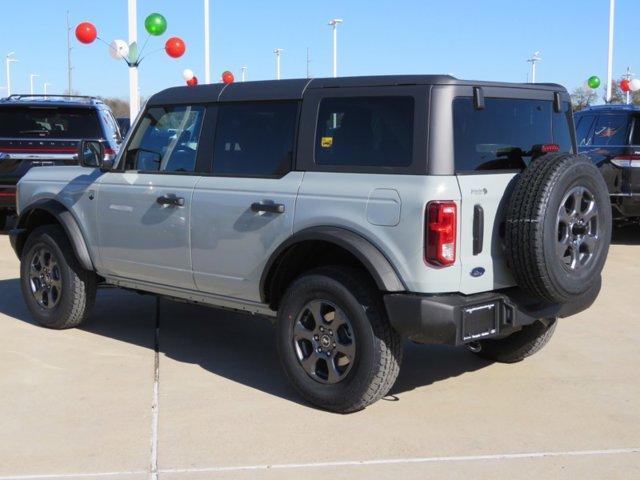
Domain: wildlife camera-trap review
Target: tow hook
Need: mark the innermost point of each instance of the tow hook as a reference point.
(475, 347)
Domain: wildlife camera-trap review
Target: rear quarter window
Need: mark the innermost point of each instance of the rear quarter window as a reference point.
(499, 136)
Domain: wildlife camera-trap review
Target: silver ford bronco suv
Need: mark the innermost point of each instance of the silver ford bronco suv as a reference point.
(354, 212)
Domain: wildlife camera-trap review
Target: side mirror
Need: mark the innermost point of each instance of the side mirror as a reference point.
(91, 154)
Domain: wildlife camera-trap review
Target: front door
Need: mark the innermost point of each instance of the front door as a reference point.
(144, 210)
(245, 209)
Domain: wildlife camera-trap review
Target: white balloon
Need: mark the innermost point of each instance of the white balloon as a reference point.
(118, 49)
(635, 84)
(187, 74)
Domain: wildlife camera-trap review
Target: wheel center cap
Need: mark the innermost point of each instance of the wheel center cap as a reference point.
(325, 341)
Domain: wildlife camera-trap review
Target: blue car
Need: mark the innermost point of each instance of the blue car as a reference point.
(610, 136)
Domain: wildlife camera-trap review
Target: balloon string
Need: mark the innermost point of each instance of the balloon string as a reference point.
(144, 45)
(150, 53)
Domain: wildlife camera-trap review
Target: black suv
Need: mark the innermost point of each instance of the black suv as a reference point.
(610, 136)
(44, 131)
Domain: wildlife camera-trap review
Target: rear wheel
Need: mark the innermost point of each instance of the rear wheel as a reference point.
(518, 346)
(57, 290)
(335, 342)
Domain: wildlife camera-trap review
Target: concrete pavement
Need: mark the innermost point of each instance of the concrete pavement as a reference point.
(80, 402)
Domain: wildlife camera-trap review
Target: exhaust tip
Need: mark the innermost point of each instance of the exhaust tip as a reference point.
(475, 347)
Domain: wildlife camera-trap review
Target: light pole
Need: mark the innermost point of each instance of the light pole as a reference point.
(46, 87)
(9, 58)
(612, 8)
(535, 58)
(244, 73)
(207, 54)
(31, 77)
(334, 23)
(278, 52)
(134, 94)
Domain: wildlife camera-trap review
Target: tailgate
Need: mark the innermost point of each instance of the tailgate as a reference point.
(482, 213)
(17, 156)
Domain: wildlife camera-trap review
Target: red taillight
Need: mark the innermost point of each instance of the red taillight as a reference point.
(109, 153)
(549, 148)
(626, 161)
(7, 194)
(440, 233)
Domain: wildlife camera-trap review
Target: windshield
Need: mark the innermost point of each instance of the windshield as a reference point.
(503, 135)
(49, 122)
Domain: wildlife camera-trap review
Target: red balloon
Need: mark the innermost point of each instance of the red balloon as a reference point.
(227, 77)
(175, 47)
(86, 32)
(193, 82)
(625, 85)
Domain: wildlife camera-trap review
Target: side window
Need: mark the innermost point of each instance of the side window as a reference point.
(255, 139)
(166, 140)
(583, 130)
(365, 131)
(611, 130)
(112, 130)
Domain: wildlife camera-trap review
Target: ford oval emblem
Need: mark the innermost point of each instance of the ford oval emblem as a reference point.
(477, 272)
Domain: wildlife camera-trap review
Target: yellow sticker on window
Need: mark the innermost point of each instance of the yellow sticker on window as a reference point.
(326, 142)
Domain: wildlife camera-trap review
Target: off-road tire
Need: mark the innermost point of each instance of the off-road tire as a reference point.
(378, 346)
(519, 345)
(78, 285)
(531, 231)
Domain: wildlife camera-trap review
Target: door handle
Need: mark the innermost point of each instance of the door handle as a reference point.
(170, 201)
(267, 207)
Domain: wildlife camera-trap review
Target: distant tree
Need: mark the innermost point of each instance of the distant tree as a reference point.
(617, 95)
(118, 106)
(582, 97)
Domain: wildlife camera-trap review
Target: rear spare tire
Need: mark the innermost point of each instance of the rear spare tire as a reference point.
(558, 227)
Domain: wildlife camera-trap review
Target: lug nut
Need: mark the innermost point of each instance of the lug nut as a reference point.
(322, 329)
(331, 332)
(319, 350)
(334, 345)
(316, 337)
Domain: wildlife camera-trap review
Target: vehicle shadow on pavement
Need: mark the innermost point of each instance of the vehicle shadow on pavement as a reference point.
(238, 347)
(627, 235)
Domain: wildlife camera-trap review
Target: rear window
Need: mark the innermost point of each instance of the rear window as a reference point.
(48, 122)
(501, 136)
(365, 131)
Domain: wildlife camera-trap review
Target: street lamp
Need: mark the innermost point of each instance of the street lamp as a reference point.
(535, 58)
(278, 52)
(207, 55)
(334, 23)
(31, 77)
(134, 92)
(46, 87)
(244, 73)
(9, 58)
(612, 7)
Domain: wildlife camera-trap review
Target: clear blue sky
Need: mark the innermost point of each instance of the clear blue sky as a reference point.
(474, 39)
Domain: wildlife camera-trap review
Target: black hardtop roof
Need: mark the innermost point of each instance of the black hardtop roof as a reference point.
(293, 89)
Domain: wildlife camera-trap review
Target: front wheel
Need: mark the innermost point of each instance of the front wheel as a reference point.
(335, 342)
(57, 290)
(519, 345)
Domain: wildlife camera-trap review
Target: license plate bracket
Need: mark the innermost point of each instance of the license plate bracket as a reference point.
(480, 321)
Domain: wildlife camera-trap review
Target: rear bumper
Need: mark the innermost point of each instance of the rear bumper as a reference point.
(456, 319)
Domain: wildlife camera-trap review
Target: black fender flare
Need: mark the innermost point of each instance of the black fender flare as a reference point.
(68, 222)
(376, 263)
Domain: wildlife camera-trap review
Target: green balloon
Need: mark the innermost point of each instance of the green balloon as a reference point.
(593, 82)
(155, 24)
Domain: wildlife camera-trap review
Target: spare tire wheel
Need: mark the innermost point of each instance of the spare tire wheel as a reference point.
(558, 227)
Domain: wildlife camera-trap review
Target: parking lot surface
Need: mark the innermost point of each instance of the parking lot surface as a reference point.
(199, 394)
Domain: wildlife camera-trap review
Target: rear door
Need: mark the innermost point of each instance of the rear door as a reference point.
(245, 208)
(144, 210)
(491, 146)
